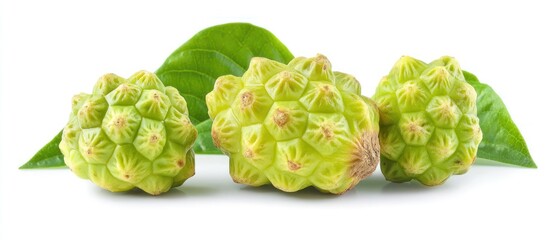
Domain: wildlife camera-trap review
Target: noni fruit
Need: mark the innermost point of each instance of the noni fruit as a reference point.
(130, 133)
(295, 126)
(429, 128)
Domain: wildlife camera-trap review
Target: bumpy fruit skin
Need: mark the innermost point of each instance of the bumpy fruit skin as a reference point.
(429, 128)
(295, 126)
(130, 133)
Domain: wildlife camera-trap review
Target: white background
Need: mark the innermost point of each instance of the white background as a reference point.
(53, 49)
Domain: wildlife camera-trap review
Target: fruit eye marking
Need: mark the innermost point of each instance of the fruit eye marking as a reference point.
(247, 99)
(327, 131)
(293, 166)
(281, 117)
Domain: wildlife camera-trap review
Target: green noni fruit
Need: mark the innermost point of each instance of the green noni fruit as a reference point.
(295, 126)
(429, 127)
(130, 133)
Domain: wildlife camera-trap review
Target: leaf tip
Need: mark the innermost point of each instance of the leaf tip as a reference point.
(532, 164)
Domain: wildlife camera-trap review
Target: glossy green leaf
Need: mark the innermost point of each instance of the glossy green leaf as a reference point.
(204, 143)
(502, 140)
(213, 52)
(48, 157)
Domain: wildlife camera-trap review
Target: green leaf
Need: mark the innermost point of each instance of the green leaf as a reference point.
(204, 143)
(48, 157)
(213, 52)
(502, 140)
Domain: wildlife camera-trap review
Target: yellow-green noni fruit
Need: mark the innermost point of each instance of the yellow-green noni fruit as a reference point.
(429, 128)
(295, 126)
(130, 133)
